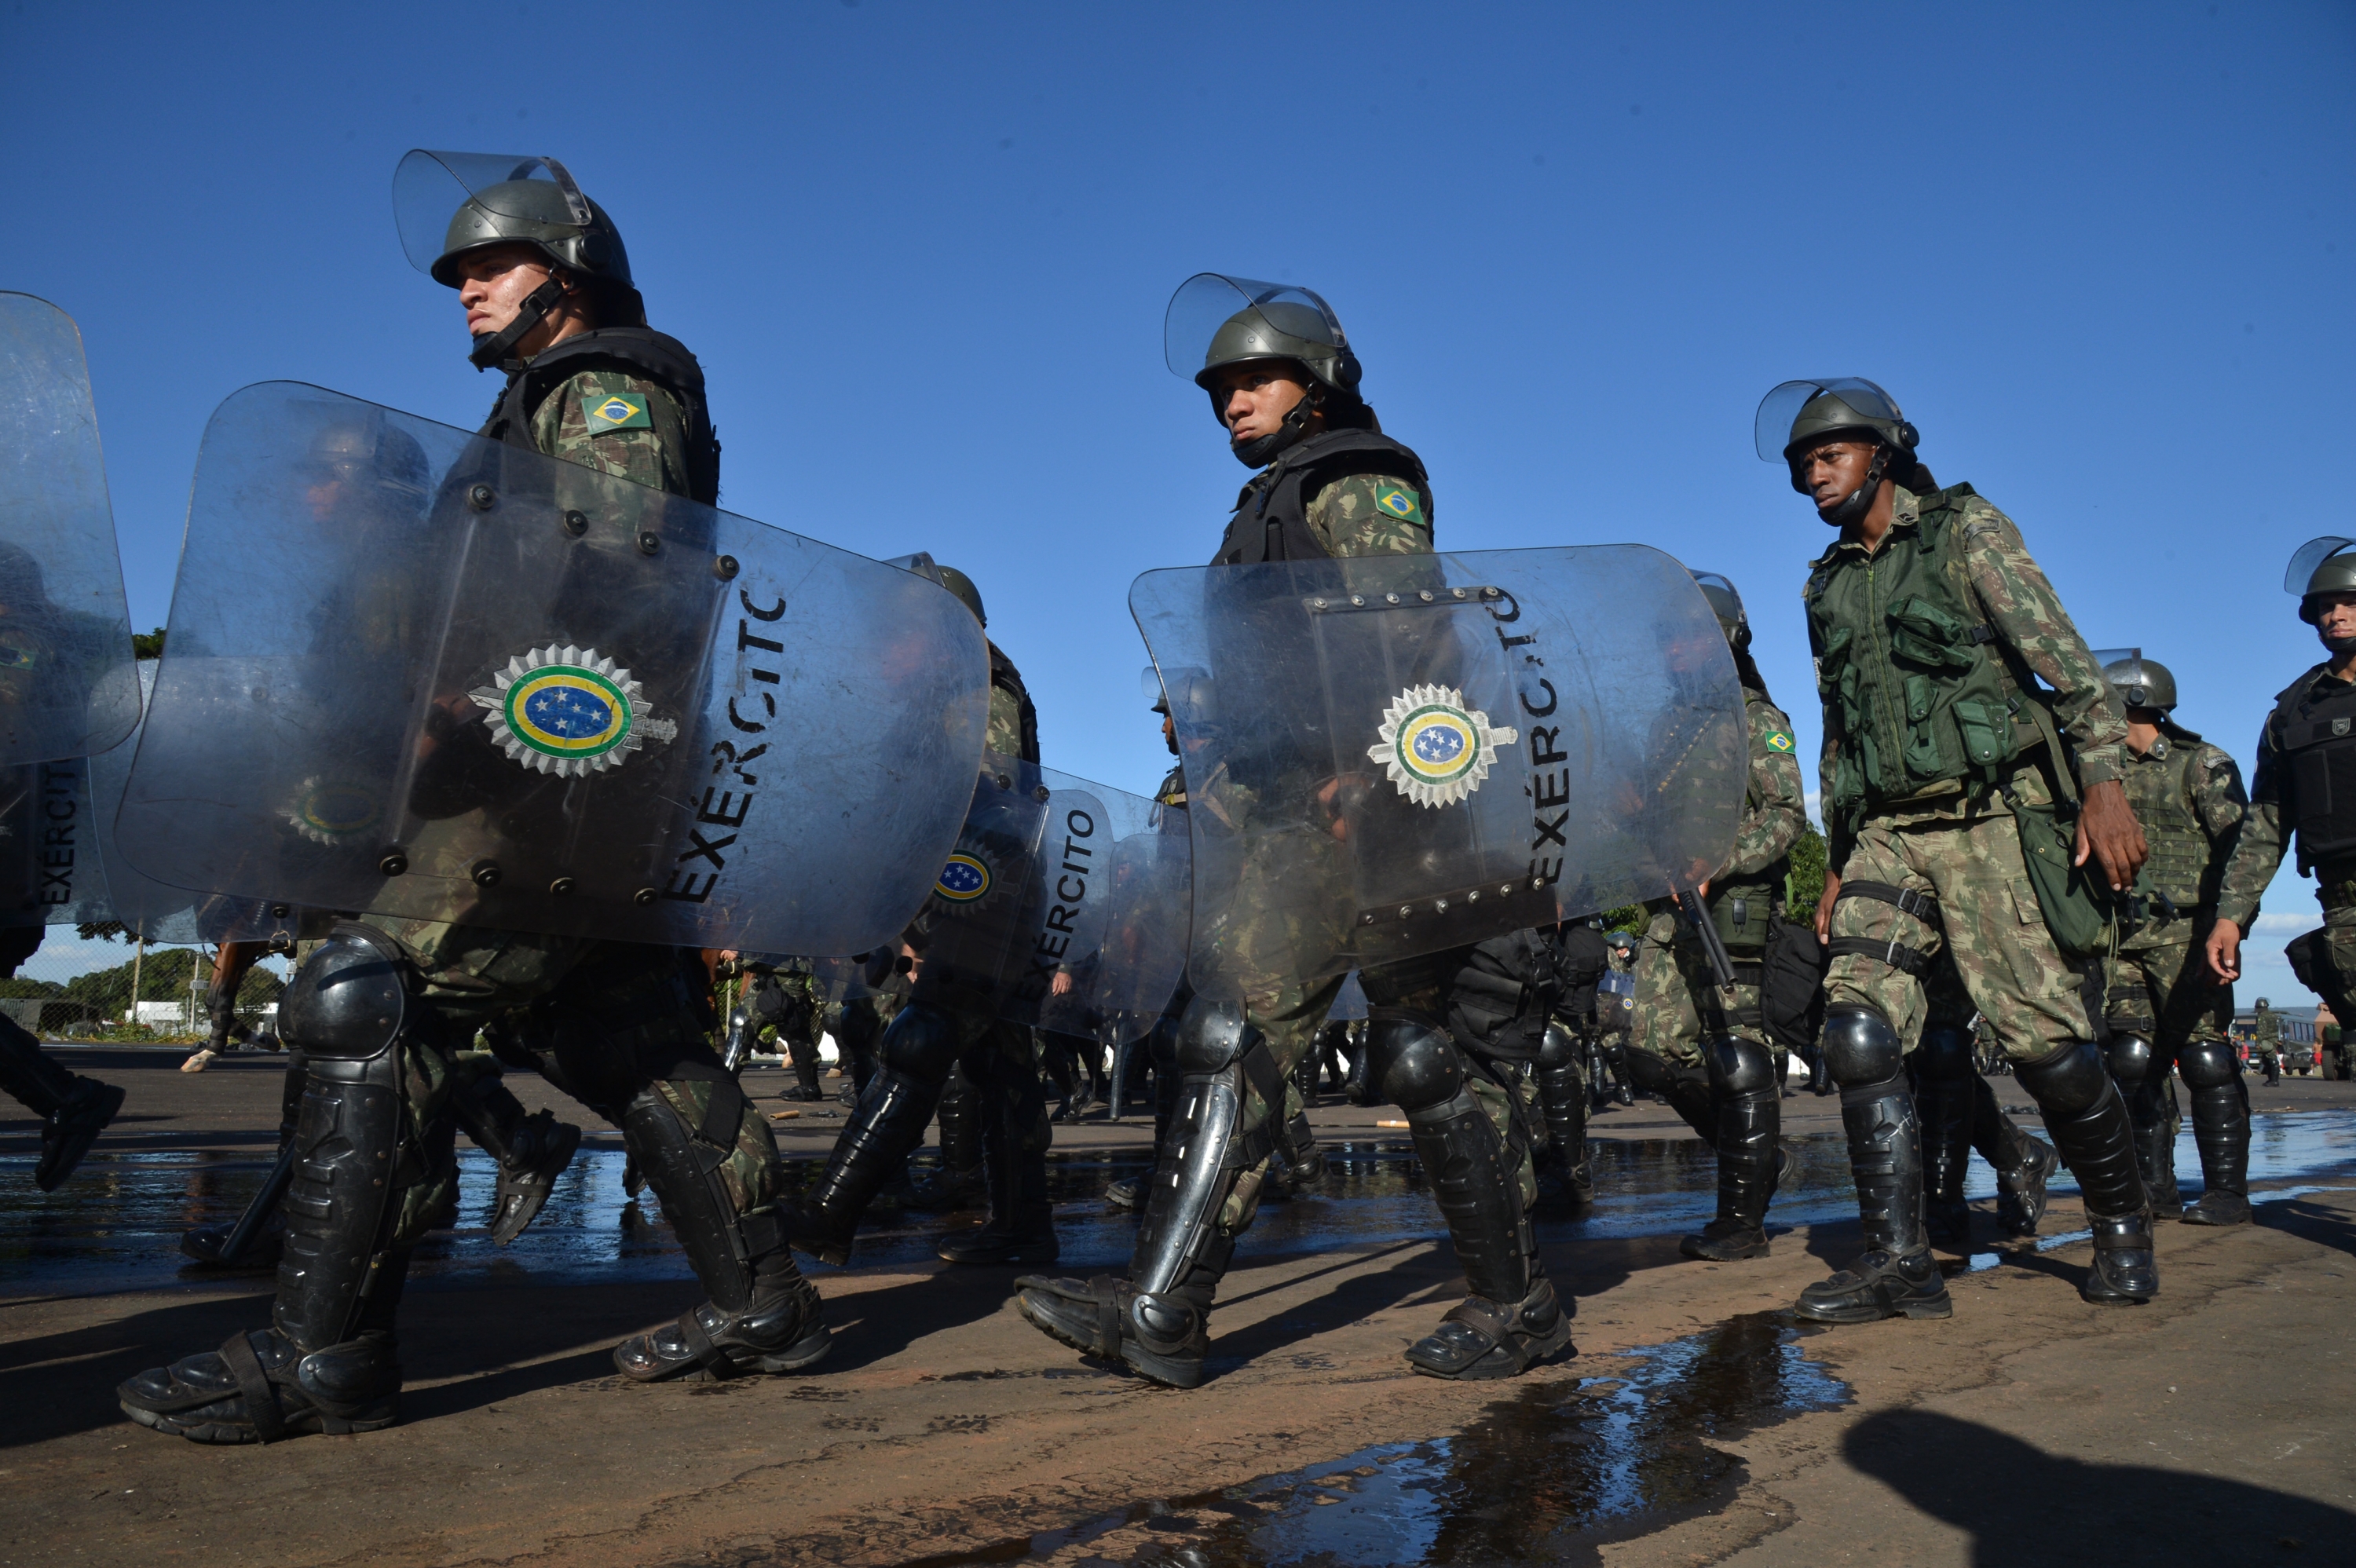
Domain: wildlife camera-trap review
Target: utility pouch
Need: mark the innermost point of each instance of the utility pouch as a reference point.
(2076, 906)
(1792, 984)
(1986, 731)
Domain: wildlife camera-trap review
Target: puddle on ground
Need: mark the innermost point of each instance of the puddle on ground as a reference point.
(1547, 1475)
(116, 1225)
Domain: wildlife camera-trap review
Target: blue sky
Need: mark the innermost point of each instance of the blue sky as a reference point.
(2100, 254)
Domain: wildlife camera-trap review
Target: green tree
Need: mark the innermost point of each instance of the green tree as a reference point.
(1806, 885)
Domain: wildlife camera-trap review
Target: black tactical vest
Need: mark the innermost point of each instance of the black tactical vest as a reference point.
(2317, 740)
(636, 350)
(1271, 520)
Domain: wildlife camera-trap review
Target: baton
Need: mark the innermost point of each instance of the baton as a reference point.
(1713, 945)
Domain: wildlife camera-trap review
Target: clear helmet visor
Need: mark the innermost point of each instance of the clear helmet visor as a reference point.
(1724, 599)
(1779, 408)
(2310, 554)
(1273, 314)
(429, 187)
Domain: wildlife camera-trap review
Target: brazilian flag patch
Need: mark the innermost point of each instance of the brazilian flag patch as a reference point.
(1778, 741)
(1398, 503)
(618, 410)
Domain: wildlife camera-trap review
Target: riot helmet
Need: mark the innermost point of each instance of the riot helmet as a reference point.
(959, 584)
(2264, 1004)
(2140, 682)
(1799, 415)
(449, 204)
(1726, 603)
(2321, 566)
(1215, 321)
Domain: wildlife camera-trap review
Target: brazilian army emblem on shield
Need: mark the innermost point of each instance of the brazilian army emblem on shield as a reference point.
(333, 811)
(1437, 750)
(568, 711)
(964, 879)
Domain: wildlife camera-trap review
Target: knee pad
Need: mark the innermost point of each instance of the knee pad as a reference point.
(2070, 1080)
(1645, 1070)
(1213, 1036)
(1860, 1047)
(1162, 1045)
(2129, 1059)
(1739, 1066)
(1943, 1055)
(1557, 1050)
(1411, 1064)
(2208, 1064)
(921, 1044)
(352, 998)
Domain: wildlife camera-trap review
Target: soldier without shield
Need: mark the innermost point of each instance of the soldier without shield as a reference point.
(1948, 771)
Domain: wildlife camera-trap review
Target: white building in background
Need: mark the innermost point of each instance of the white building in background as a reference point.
(162, 1015)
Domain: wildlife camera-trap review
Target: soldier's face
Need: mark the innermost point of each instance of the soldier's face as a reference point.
(495, 282)
(1833, 471)
(1254, 398)
(2335, 619)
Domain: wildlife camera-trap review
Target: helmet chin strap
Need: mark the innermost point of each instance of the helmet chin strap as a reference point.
(2336, 644)
(1261, 451)
(498, 348)
(1852, 507)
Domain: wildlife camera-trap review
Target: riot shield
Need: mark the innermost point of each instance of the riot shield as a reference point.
(66, 682)
(1064, 905)
(49, 870)
(1393, 755)
(494, 687)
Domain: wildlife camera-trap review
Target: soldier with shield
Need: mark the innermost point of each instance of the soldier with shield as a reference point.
(1699, 1039)
(1971, 811)
(561, 761)
(67, 684)
(1324, 600)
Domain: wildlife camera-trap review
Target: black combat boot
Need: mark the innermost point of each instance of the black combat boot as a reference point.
(2023, 1164)
(329, 1361)
(530, 1151)
(1942, 1073)
(73, 1111)
(2220, 1130)
(1565, 1176)
(761, 1315)
(913, 1063)
(802, 1053)
(1749, 1117)
(1022, 1225)
(1896, 1276)
(1511, 1318)
(2089, 1123)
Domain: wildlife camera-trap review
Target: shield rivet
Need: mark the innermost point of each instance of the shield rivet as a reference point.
(643, 897)
(576, 523)
(482, 497)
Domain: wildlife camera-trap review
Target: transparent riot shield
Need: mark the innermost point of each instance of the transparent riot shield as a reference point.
(1107, 919)
(66, 682)
(49, 868)
(497, 688)
(1393, 755)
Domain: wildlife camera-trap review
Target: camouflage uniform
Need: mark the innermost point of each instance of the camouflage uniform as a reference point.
(1961, 845)
(1677, 1000)
(2266, 1037)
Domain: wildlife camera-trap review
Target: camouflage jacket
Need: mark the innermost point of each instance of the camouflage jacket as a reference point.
(2190, 808)
(617, 423)
(2028, 618)
(1359, 514)
(2267, 1031)
(2259, 854)
(1775, 805)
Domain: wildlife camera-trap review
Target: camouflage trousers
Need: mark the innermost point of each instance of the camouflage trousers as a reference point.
(1677, 1002)
(2160, 987)
(1988, 927)
(603, 1022)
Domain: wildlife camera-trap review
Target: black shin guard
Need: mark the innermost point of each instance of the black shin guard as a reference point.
(1749, 1123)
(2089, 1123)
(2220, 1130)
(913, 1063)
(1562, 1097)
(1896, 1276)
(1685, 1088)
(28, 1076)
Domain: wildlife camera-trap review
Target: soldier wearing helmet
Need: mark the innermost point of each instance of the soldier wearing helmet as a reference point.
(2169, 1014)
(1704, 1052)
(1284, 385)
(2305, 790)
(1945, 767)
(545, 282)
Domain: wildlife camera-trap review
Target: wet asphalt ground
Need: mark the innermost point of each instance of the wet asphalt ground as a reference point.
(1698, 1423)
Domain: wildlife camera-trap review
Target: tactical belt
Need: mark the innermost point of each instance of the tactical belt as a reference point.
(1923, 907)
